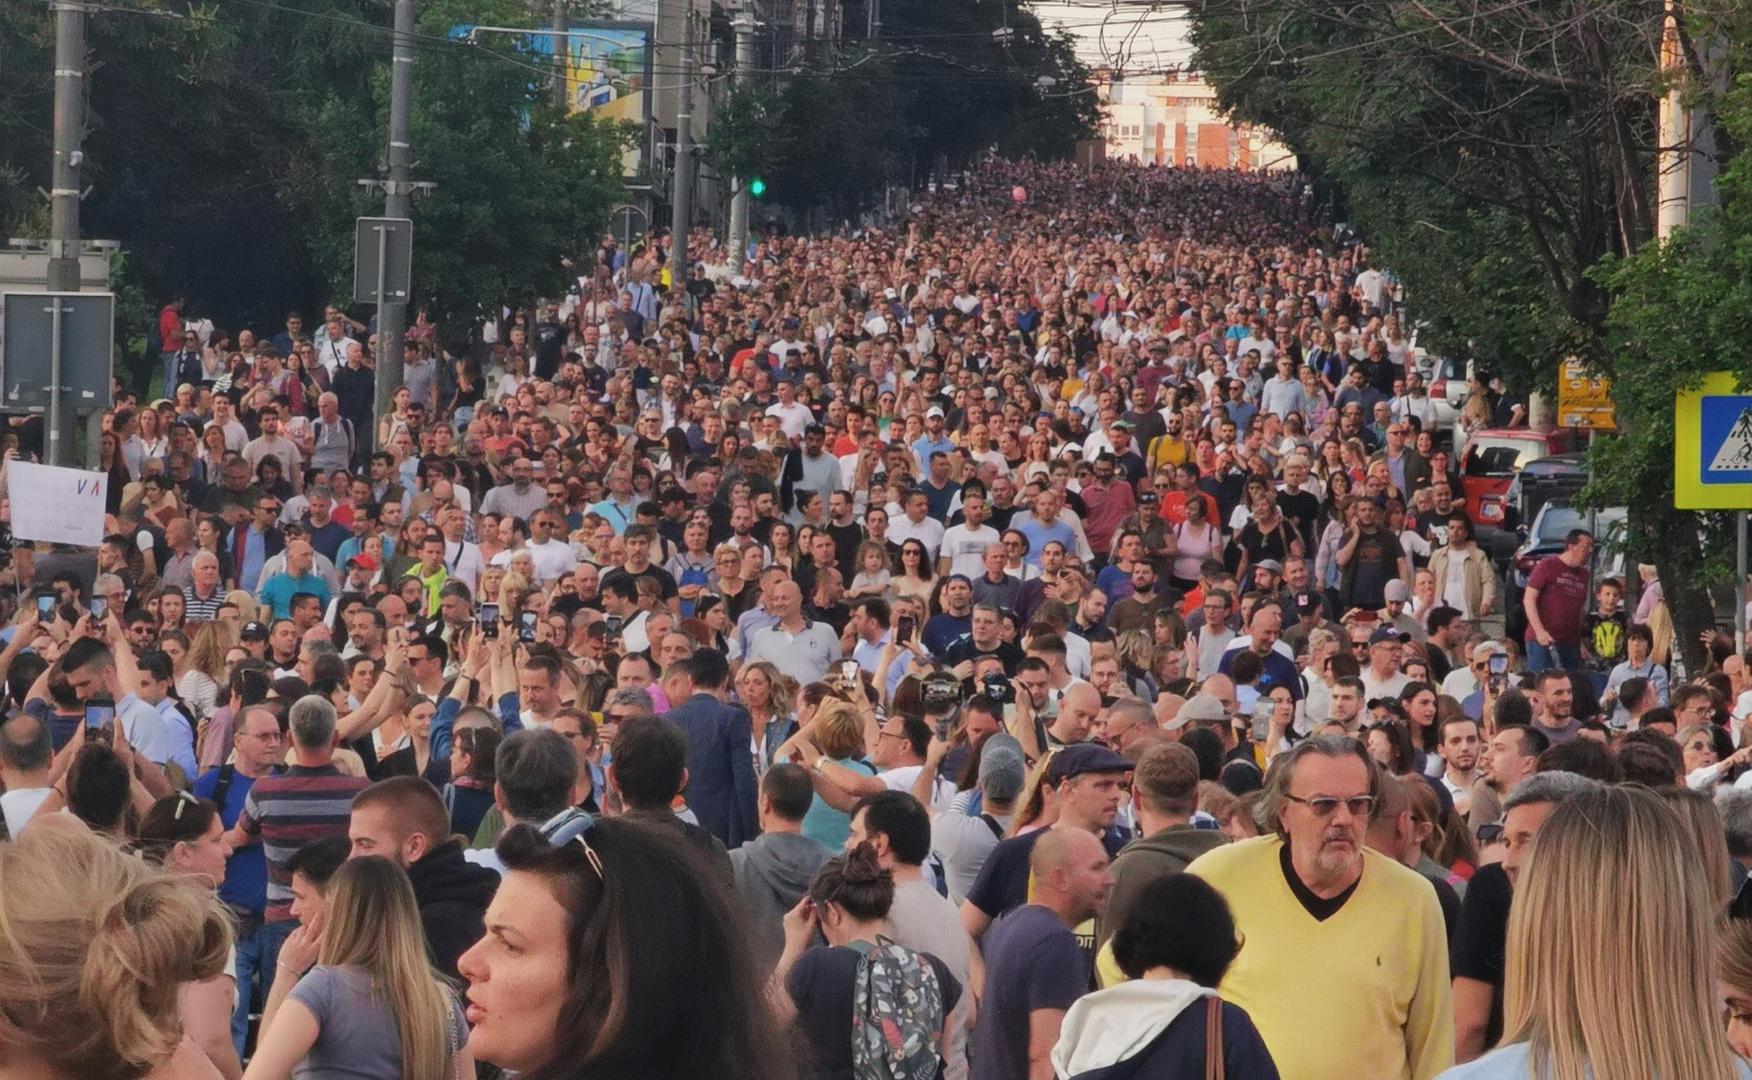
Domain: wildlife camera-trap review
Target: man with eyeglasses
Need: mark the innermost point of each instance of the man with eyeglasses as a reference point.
(258, 749)
(1345, 972)
(522, 497)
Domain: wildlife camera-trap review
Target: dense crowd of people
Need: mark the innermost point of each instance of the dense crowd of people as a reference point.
(1046, 638)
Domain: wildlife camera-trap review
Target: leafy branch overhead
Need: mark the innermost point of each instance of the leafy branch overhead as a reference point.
(1502, 158)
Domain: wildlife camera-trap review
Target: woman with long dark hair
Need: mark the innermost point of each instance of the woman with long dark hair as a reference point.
(615, 952)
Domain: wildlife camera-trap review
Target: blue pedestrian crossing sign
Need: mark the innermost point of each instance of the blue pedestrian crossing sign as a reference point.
(1712, 460)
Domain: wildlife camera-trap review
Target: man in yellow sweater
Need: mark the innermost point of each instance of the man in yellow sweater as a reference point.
(1345, 967)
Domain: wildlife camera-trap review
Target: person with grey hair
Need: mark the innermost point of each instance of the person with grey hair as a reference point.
(310, 799)
(325, 534)
(1346, 966)
(1735, 808)
(1481, 934)
(534, 773)
(27, 751)
(628, 702)
(319, 660)
(331, 439)
(205, 592)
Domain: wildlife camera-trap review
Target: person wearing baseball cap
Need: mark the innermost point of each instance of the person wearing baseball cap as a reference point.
(965, 834)
(1382, 677)
(1398, 595)
(1086, 778)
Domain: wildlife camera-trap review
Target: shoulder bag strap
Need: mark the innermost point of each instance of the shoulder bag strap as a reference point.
(1214, 1068)
(222, 786)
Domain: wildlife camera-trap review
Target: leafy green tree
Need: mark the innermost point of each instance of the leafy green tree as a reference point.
(1502, 160)
(224, 148)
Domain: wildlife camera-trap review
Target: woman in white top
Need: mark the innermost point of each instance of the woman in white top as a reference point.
(154, 443)
(515, 376)
(197, 689)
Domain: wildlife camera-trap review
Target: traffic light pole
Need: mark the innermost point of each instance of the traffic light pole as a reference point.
(392, 318)
(69, 126)
(744, 26)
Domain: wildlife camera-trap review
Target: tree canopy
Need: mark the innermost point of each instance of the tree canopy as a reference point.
(1502, 159)
(225, 145)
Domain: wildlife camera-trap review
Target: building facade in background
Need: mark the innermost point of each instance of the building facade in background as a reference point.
(1173, 119)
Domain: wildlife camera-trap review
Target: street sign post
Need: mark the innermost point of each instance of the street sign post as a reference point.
(383, 260)
(1584, 401)
(1712, 458)
(56, 349)
(1712, 464)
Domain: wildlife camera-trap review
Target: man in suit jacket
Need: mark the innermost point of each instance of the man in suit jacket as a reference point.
(721, 786)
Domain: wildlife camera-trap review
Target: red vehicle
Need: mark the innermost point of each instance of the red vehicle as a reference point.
(1493, 457)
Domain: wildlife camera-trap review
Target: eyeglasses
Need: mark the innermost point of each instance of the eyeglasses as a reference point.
(1360, 644)
(617, 717)
(573, 825)
(1326, 805)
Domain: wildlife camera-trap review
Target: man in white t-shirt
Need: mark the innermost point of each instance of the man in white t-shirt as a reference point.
(554, 558)
(26, 753)
(794, 416)
(964, 545)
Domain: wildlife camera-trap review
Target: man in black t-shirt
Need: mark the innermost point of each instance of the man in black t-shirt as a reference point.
(984, 639)
(1087, 777)
(1481, 935)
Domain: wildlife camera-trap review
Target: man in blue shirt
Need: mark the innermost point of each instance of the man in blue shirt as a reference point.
(298, 577)
(258, 748)
(935, 439)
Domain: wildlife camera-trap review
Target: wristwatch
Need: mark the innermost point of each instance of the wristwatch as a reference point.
(820, 761)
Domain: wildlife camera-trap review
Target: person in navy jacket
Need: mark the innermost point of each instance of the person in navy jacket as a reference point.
(721, 785)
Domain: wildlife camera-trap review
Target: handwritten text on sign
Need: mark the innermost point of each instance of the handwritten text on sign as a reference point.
(62, 506)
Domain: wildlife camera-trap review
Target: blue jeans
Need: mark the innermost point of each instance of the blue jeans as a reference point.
(258, 957)
(1543, 658)
(171, 362)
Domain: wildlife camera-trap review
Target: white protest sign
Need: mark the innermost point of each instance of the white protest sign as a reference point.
(62, 506)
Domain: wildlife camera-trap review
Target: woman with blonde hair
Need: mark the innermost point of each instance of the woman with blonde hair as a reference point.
(1734, 954)
(835, 733)
(1708, 839)
(95, 946)
(767, 694)
(1611, 958)
(356, 991)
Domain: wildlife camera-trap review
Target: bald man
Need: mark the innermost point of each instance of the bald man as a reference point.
(1078, 713)
(1035, 965)
(803, 649)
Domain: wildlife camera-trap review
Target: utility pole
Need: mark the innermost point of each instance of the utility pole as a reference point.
(392, 318)
(681, 212)
(743, 24)
(69, 130)
(562, 54)
(1686, 173)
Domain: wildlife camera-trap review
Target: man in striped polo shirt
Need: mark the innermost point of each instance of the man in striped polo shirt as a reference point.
(310, 800)
(201, 598)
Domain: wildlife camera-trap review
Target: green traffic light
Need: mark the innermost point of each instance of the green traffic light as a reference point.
(757, 187)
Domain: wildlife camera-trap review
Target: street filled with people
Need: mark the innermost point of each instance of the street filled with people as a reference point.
(1053, 635)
